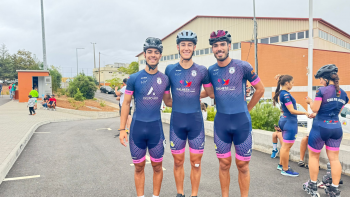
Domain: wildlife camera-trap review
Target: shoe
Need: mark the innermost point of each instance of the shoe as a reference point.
(332, 191)
(280, 167)
(289, 172)
(301, 164)
(180, 195)
(34, 114)
(274, 153)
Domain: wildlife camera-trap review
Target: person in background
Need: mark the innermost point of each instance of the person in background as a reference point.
(10, 90)
(52, 103)
(31, 104)
(120, 97)
(0, 88)
(277, 135)
(204, 111)
(35, 95)
(13, 89)
(303, 145)
(45, 101)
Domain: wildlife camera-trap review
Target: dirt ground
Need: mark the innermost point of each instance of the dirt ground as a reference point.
(63, 102)
(5, 90)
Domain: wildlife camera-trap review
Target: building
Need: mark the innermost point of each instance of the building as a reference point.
(109, 72)
(282, 48)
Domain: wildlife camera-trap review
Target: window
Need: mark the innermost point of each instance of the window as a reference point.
(176, 56)
(235, 46)
(264, 41)
(301, 35)
(285, 38)
(293, 36)
(194, 53)
(211, 50)
(172, 57)
(197, 52)
(307, 34)
(274, 39)
(202, 52)
(206, 51)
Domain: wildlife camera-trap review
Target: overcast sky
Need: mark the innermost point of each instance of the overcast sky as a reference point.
(119, 27)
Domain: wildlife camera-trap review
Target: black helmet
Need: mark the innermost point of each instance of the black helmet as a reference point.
(153, 43)
(327, 69)
(186, 35)
(219, 36)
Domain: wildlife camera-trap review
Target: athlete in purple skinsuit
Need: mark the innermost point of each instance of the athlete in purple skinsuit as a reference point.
(186, 80)
(148, 87)
(232, 122)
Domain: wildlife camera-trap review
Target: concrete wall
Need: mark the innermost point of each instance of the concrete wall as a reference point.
(262, 141)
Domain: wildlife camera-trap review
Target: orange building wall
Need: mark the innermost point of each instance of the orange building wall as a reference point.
(275, 59)
(25, 84)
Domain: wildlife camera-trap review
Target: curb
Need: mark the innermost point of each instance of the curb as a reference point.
(6, 166)
(90, 114)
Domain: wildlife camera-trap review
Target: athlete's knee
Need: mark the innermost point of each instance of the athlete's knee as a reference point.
(139, 168)
(157, 167)
(178, 163)
(225, 164)
(196, 164)
(243, 166)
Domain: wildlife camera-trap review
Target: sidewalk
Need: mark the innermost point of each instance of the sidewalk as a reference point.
(17, 127)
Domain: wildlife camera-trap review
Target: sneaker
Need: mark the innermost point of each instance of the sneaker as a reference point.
(280, 167)
(274, 153)
(180, 195)
(289, 172)
(301, 164)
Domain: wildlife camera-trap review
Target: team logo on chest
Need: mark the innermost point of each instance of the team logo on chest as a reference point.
(159, 80)
(194, 73)
(232, 70)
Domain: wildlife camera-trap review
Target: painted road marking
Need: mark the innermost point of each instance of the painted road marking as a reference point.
(42, 132)
(21, 178)
(109, 129)
(148, 160)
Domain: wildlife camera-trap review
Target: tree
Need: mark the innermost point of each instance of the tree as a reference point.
(5, 63)
(56, 78)
(85, 84)
(131, 69)
(114, 82)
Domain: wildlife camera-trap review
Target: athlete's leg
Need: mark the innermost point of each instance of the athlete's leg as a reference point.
(285, 155)
(195, 172)
(314, 160)
(315, 145)
(303, 146)
(243, 176)
(157, 177)
(280, 138)
(179, 172)
(140, 178)
(224, 175)
(274, 137)
(333, 157)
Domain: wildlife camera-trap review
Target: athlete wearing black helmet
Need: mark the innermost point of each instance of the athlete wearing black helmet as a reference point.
(146, 133)
(326, 128)
(156, 45)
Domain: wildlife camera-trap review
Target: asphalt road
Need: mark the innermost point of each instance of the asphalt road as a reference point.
(81, 158)
(106, 97)
(4, 99)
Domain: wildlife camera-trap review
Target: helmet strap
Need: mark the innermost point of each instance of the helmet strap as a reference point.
(151, 67)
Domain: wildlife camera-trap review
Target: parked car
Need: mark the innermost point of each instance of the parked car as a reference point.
(102, 88)
(107, 90)
(344, 118)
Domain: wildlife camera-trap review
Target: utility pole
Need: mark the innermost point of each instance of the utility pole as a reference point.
(94, 53)
(99, 69)
(43, 35)
(255, 40)
(310, 59)
(77, 59)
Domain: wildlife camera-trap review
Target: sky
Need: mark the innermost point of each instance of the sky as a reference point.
(120, 27)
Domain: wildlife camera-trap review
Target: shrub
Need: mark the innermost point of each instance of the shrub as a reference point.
(79, 96)
(167, 110)
(62, 91)
(95, 99)
(59, 94)
(264, 116)
(85, 84)
(211, 113)
(102, 103)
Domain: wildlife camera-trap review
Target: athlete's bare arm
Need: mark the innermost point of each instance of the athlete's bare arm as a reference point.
(209, 91)
(260, 89)
(314, 105)
(168, 101)
(123, 118)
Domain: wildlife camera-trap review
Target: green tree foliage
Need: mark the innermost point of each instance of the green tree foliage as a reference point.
(211, 113)
(22, 60)
(114, 82)
(85, 84)
(56, 78)
(131, 69)
(264, 116)
(79, 96)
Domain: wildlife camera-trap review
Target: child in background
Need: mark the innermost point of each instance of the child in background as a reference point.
(31, 104)
(204, 111)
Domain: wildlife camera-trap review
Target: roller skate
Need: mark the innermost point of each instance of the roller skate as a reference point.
(311, 188)
(332, 191)
(180, 195)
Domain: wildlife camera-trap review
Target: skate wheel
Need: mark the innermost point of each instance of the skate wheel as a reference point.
(325, 190)
(308, 190)
(304, 187)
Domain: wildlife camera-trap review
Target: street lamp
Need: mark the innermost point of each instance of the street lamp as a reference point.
(77, 59)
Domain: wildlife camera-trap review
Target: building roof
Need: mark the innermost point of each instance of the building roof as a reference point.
(34, 71)
(271, 18)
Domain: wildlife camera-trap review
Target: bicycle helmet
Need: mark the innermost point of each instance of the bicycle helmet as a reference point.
(153, 43)
(327, 69)
(219, 36)
(186, 35)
